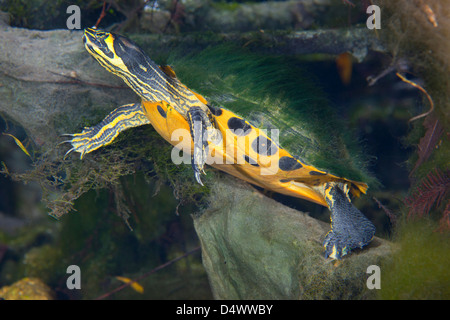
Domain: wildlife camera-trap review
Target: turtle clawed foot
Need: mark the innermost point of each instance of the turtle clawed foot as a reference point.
(197, 172)
(198, 125)
(198, 162)
(81, 143)
(340, 241)
(335, 248)
(337, 244)
(350, 229)
(199, 155)
(69, 151)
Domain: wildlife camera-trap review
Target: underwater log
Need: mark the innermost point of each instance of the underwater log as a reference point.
(254, 247)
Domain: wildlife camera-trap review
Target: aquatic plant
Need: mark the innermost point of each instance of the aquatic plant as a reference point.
(419, 268)
(273, 92)
(434, 188)
(428, 142)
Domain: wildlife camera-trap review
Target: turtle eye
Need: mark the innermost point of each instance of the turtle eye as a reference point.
(108, 52)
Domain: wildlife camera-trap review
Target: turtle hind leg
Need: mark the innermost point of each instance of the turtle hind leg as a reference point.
(103, 133)
(199, 124)
(350, 229)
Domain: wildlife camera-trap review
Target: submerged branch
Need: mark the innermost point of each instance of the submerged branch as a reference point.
(164, 265)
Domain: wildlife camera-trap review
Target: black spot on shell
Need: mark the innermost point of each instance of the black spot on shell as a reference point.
(285, 180)
(317, 173)
(161, 111)
(239, 127)
(251, 161)
(289, 164)
(215, 111)
(264, 146)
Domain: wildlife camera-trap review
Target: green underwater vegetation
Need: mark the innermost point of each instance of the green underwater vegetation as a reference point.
(276, 93)
(95, 200)
(416, 34)
(93, 238)
(419, 267)
(117, 209)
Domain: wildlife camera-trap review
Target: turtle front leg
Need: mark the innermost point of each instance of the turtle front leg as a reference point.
(103, 133)
(200, 125)
(350, 229)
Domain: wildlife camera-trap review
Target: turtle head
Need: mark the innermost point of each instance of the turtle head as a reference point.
(116, 53)
(99, 44)
(125, 59)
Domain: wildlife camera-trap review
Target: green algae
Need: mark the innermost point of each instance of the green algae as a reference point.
(27, 289)
(271, 92)
(96, 238)
(419, 269)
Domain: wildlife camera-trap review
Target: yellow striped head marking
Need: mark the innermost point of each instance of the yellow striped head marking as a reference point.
(122, 57)
(114, 52)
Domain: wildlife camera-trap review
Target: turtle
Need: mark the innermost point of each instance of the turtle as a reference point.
(218, 137)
